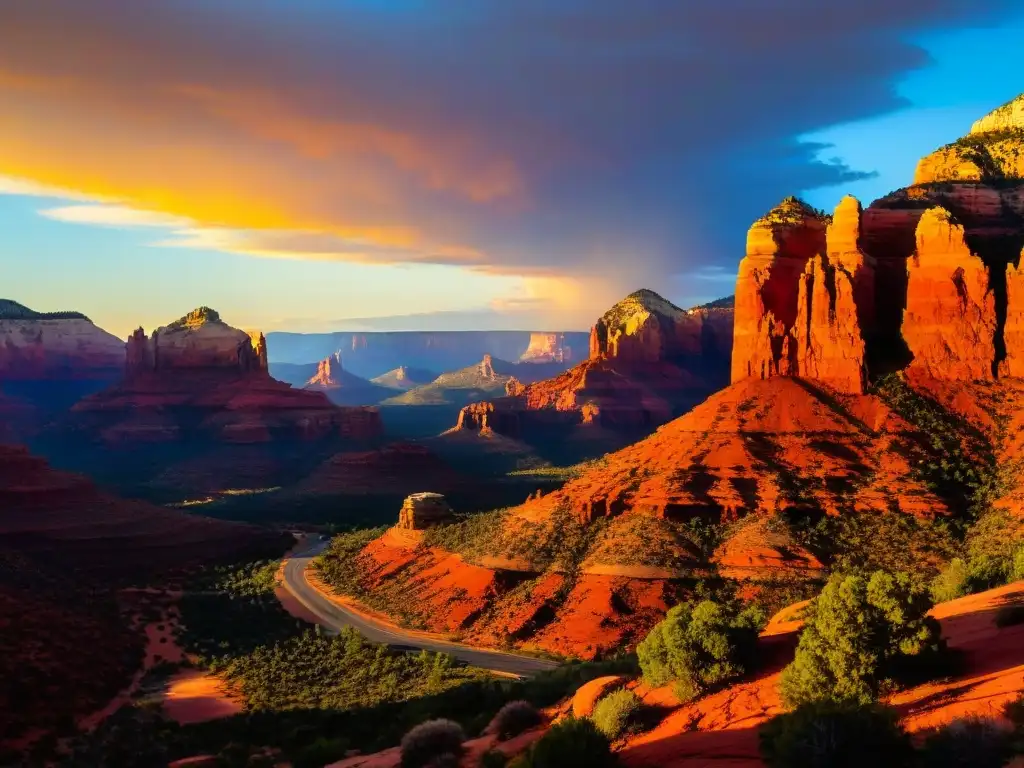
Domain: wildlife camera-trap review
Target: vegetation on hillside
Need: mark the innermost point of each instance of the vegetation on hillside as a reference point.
(12, 310)
(880, 624)
(47, 622)
(699, 647)
(830, 734)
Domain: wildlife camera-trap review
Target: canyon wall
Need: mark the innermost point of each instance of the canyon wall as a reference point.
(927, 277)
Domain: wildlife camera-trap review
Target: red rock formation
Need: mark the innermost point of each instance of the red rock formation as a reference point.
(200, 378)
(827, 340)
(547, 348)
(328, 373)
(1013, 328)
(649, 359)
(779, 246)
(950, 320)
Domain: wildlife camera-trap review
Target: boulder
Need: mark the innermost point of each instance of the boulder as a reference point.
(423, 510)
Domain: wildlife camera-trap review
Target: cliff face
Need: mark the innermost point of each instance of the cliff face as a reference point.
(950, 320)
(797, 291)
(927, 275)
(199, 378)
(41, 347)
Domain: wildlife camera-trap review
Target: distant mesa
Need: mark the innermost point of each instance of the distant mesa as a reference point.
(200, 378)
(547, 348)
(38, 346)
(198, 341)
(648, 361)
(377, 354)
(487, 378)
(405, 378)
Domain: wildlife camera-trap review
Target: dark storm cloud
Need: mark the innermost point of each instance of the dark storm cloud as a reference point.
(620, 141)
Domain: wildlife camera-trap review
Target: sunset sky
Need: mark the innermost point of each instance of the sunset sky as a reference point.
(402, 164)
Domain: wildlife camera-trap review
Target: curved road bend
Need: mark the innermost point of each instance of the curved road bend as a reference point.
(336, 616)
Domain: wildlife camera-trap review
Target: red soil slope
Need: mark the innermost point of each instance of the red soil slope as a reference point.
(742, 457)
(721, 729)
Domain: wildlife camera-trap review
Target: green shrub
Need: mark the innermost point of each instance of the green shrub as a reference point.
(1017, 566)
(1014, 711)
(973, 742)
(860, 633)
(429, 741)
(698, 647)
(570, 743)
(616, 712)
(830, 734)
(514, 718)
(951, 583)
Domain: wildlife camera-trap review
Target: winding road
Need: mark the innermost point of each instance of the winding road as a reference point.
(335, 616)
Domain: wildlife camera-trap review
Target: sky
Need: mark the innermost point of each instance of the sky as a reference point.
(313, 165)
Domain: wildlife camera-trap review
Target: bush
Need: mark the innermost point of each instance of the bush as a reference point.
(425, 744)
(969, 743)
(1017, 566)
(828, 734)
(514, 718)
(951, 583)
(615, 712)
(698, 647)
(1014, 711)
(860, 633)
(570, 743)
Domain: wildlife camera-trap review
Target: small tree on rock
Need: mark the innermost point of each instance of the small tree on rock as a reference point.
(698, 646)
(861, 632)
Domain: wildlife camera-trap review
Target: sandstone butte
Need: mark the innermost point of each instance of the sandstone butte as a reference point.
(199, 377)
(648, 361)
(924, 281)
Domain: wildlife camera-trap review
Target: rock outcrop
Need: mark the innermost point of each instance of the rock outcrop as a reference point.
(950, 320)
(199, 378)
(1013, 328)
(649, 360)
(328, 373)
(423, 510)
(404, 378)
(198, 341)
(804, 297)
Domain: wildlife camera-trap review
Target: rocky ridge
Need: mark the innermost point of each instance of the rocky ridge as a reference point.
(200, 378)
(648, 360)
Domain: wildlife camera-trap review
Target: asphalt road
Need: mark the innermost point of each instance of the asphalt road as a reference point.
(334, 616)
